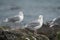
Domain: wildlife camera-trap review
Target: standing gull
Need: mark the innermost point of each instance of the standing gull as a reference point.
(16, 18)
(34, 25)
(55, 21)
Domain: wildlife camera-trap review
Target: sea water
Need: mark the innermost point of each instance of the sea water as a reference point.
(31, 8)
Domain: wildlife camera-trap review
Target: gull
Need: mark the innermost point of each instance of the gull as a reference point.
(35, 24)
(55, 21)
(16, 18)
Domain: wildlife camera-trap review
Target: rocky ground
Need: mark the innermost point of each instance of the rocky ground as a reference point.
(44, 33)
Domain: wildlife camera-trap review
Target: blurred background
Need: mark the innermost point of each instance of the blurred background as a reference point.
(31, 8)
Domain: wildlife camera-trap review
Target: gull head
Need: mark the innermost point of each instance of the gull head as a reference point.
(21, 13)
(40, 17)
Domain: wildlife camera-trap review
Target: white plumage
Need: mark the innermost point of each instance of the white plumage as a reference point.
(16, 18)
(34, 25)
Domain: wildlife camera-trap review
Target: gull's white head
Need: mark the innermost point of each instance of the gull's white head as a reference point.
(21, 13)
(40, 17)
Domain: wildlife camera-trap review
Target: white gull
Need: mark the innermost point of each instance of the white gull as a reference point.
(16, 18)
(34, 25)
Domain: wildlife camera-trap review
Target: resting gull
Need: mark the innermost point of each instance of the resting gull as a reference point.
(14, 21)
(16, 18)
(55, 21)
(34, 25)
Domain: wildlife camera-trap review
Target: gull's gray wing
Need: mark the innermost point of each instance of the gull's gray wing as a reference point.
(32, 25)
(13, 19)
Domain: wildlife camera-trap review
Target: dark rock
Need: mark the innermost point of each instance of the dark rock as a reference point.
(46, 30)
(5, 35)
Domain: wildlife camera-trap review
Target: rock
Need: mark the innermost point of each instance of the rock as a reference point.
(5, 35)
(46, 30)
